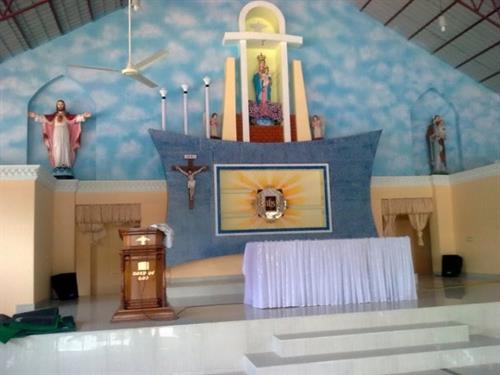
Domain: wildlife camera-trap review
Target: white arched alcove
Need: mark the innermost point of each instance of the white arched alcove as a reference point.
(262, 29)
(431, 103)
(77, 101)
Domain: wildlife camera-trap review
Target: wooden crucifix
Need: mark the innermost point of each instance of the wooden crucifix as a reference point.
(190, 171)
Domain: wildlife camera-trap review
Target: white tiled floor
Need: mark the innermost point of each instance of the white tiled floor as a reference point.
(94, 313)
(101, 347)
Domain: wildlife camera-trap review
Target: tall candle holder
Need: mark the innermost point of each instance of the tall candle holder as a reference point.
(206, 80)
(185, 95)
(163, 93)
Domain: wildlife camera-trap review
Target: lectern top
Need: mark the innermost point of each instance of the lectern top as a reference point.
(138, 237)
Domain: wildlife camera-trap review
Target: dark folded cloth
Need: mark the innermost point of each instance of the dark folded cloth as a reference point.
(43, 318)
(35, 322)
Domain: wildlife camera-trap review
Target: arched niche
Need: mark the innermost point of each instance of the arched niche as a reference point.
(264, 17)
(77, 101)
(431, 103)
(262, 30)
(264, 13)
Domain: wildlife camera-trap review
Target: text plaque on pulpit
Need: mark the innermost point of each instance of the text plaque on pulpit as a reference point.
(143, 284)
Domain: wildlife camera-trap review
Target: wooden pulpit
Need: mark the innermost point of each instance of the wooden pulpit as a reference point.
(143, 284)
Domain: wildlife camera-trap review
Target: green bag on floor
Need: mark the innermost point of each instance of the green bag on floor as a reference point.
(35, 323)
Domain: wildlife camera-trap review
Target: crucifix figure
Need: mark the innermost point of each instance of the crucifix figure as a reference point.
(190, 171)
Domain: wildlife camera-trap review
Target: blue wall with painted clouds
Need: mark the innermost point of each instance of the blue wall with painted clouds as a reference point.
(359, 76)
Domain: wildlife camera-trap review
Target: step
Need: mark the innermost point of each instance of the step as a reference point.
(197, 301)
(216, 286)
(309, 343)
(478, 351)
(489, 369)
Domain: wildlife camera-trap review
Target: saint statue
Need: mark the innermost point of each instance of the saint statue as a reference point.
(436, 135)
(61, 136)
(317, 127)
(262, 82)
(214, 126)
(262, 111)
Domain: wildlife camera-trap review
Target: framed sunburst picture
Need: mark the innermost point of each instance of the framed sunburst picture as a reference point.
(272, 198)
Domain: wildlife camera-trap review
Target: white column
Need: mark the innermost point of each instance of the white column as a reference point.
(206, 80)
(244, 91)
(285, 96)
(185, 95)
(163, 93)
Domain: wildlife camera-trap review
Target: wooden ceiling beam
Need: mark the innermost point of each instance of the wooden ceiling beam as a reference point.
(90, 10)
(6, 46)
(478, 54)
(490, 76)
(364, 6)
(56, 18)
(10, 14)
(7, 4)
(398, 12)
(477, 10)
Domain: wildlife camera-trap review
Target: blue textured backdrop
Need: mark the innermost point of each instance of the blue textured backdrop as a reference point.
(350, 161)
(359, 75)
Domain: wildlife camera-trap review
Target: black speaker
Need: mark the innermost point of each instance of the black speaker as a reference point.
(64, 285)
(451, 265)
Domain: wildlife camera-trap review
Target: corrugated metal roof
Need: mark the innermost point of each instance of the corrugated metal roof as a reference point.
(471, 42)
(26, 24)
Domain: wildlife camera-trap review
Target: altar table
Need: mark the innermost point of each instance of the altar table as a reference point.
(328, 272)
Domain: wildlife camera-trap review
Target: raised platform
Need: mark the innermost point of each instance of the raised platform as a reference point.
(452, 326)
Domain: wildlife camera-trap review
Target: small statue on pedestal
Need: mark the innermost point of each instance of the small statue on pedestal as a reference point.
(316, 127)
(214, 126)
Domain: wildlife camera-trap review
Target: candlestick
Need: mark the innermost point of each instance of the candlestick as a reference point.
(185, 94)
(206, 80)
(163, 93)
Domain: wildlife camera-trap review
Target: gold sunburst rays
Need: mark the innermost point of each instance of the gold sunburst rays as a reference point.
(279, 179)
(246, 180)
(303, 188)
(290, 181)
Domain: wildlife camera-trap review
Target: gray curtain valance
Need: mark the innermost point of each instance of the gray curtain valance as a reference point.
(92, 218)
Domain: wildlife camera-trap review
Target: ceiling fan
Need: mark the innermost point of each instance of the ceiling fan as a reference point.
(132, 70)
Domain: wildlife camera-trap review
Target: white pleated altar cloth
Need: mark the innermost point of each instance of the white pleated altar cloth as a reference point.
(328, 272)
